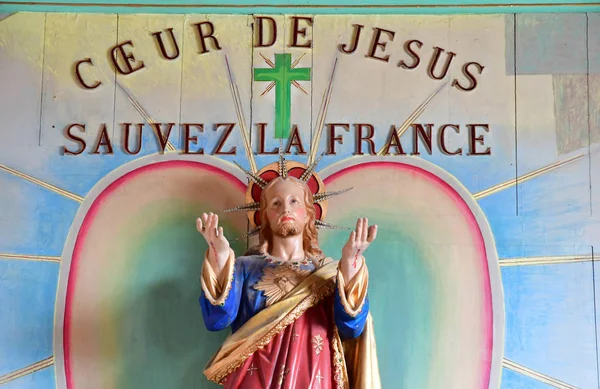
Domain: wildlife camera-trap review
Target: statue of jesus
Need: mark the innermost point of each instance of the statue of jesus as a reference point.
(298, 319)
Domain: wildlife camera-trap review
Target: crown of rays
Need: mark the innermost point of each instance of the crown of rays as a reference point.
(283, 173)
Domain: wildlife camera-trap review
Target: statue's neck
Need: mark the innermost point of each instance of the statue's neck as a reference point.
(287, 249)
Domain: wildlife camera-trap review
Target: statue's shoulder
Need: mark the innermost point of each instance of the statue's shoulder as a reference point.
(250, 258)
(329, 260)
(324, 260)
(254, 251)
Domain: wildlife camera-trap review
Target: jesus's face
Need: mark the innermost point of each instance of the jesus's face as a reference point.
(286, 209)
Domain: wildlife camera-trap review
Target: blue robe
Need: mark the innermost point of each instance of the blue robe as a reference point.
(244, 301)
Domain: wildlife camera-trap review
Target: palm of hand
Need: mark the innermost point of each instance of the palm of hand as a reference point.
(218, 245)
(359, 239)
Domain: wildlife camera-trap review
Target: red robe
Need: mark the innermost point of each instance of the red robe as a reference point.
(298, 357)
(297, 342)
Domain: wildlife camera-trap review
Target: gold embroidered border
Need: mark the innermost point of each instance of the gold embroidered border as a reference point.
(325, 290)
(345, 304)
(340, 372)
(228, 285)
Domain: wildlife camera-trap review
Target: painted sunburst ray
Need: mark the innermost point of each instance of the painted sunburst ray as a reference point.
(29, 257)
(43, 184)
(30, 369)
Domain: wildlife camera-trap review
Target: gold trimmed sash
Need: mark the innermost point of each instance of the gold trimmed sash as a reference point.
(260, 329)
(355, 360)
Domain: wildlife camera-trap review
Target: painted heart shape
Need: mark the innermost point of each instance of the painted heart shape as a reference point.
(127, 313)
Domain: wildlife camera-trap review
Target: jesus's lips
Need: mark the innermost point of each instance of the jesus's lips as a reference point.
(286, 219)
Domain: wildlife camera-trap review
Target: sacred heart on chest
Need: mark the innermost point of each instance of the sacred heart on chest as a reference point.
(278, 281)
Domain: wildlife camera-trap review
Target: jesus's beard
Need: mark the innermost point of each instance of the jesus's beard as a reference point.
(287, 229)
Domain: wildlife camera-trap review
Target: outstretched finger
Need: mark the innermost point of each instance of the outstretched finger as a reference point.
(358, 224)
(220, 232)
(365, 230)
(352, 238)
(213, 225)
(372, 233)
(199, 225)
(360, 232)
(208, 224)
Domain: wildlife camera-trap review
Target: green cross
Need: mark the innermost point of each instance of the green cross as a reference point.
(282, 74)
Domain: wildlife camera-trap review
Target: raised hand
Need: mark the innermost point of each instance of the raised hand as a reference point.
(208, 226)
(356, 245)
